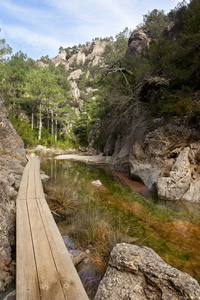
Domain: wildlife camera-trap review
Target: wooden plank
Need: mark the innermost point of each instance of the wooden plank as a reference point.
(44, 268)
(71, 283)
(49, 282)
(27, 287)
(38, 182)
(31, 184)
(22, 193)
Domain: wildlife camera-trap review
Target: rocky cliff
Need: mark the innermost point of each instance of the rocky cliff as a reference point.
(12, 162)
(164, 155)
(77, 62)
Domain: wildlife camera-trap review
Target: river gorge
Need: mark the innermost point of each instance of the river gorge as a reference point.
(170, 228)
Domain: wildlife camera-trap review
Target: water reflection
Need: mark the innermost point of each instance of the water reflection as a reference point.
(171, 228)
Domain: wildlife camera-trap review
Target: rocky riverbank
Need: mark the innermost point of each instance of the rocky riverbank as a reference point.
(165, 157)
(12, 162)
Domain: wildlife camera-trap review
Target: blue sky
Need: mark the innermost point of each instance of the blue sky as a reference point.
(40, 27)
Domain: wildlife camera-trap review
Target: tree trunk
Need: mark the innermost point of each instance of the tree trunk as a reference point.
(32, 119)
(56, 128)
(48, 121)
(52, 124)
(40, 123)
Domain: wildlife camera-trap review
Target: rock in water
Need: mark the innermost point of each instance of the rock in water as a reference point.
(97, 183)
(138, 273)
(12, 162)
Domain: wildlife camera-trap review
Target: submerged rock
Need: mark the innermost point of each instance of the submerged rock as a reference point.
(138, 273)
(96, 182)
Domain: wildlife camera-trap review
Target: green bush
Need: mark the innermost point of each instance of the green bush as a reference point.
(24, 130)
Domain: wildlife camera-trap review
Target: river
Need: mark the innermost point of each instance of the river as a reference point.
(171, 228)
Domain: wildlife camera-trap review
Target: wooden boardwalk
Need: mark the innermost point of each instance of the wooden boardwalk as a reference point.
(44, 266)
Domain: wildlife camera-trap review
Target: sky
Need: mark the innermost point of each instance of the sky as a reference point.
(39, 27)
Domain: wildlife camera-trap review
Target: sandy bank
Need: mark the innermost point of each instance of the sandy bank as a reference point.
(95, 159)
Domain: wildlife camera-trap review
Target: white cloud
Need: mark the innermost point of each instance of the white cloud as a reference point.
(30, 39)
(41, 27)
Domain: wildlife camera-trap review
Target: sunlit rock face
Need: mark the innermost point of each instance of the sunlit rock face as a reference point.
(12, 162)
(138, 41)
(139, 273)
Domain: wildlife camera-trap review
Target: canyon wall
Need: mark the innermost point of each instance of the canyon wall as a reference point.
(12, 162)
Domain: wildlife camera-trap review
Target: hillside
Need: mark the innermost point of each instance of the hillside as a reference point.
(134, 97)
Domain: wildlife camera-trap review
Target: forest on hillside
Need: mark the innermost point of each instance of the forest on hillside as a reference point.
(43, 110)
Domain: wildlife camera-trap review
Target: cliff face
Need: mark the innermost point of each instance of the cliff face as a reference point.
(162, 153)
(12, 162)
(138, 41)
(77, 62)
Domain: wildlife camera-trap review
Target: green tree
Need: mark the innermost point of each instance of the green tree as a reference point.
(5, 49)
(155, 22)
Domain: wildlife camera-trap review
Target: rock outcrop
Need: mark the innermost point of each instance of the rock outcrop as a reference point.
(138, 41)
(138, 273)
(12, 162)
(166, 159)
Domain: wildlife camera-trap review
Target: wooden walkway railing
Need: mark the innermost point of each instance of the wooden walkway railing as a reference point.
(44, 266)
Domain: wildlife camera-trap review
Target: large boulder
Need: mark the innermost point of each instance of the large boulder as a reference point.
(138, 273)
(12, 162)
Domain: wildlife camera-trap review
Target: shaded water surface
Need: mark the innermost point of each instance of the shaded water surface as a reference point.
(171, 228)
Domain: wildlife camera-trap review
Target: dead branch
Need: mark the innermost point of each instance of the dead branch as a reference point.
(115, 70)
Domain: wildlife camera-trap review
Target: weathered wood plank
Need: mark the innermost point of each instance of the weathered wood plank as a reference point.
(44, 268)
(31, 184)
(22, 193)
(27, 287)
(49, 281)
(70, 280)
(38, 182)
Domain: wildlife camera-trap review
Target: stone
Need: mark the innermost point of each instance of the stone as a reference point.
(75, 74)
(177, 184)
(12, 162)
(138, 41)
(97, 183)
(81, 57)
(96, 60)
(138, 273)
(165, 159)
(98, 50)
(75, 92)
(62, 54)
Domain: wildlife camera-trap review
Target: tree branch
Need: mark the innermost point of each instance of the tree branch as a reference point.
(115, 70)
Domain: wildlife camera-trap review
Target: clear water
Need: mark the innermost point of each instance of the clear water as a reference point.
(171, 228)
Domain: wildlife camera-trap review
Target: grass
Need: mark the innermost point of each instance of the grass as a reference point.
(94, 230)
(62, 199)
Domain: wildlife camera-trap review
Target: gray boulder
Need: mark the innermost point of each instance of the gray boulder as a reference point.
(138, 273)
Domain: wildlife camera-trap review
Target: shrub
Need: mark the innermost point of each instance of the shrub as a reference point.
(62, 200)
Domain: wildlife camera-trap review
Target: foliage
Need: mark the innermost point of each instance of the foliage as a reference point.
(24, 130)
(5, 49)
(43, 94)
(90, 114)
(155, 22)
